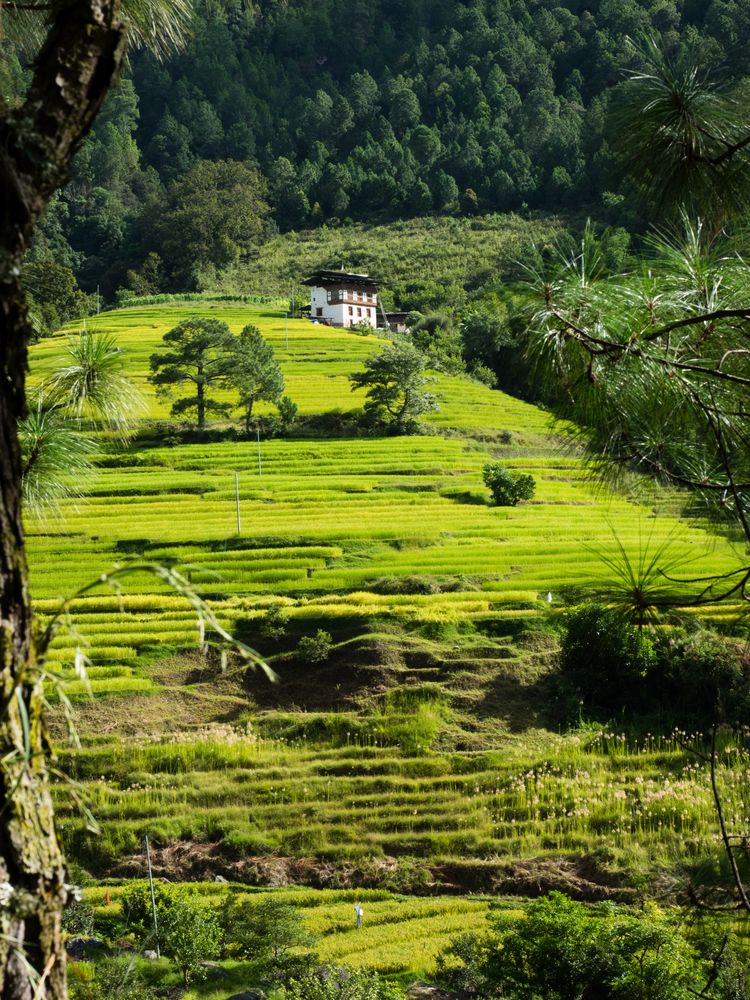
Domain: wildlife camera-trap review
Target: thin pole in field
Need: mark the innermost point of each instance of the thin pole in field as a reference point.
(153, 898)
(260, 465)
(237, 500)
(286, 330)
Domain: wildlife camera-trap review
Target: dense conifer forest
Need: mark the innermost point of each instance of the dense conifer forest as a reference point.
(299, 113)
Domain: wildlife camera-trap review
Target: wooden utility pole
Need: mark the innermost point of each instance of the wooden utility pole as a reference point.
(237, 500)
(153, 899)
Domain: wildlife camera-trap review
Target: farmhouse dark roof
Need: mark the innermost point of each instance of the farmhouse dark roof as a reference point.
(323, 277)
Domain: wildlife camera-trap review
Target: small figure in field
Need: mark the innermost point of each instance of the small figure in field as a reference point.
(359, 911)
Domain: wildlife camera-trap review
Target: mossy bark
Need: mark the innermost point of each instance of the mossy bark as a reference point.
(72, 74)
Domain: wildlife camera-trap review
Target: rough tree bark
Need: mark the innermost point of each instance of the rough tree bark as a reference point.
(79, 61)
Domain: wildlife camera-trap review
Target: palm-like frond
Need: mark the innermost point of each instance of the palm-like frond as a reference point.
(642, 586)
(94, 385)
(680, 132)
(56, 458)
(161, 26)
(654, 365)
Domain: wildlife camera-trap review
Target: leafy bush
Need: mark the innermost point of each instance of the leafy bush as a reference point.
(288, 412)
(136, 904)
(704, 676)
(605, 659)
(482, 373)
(315, 648)
(507, 488)
(274, 622)
(271, 932)
(78, 918)
(191, 936)
(564, 950)
(115, 979)
(329, 983)
(437, 338)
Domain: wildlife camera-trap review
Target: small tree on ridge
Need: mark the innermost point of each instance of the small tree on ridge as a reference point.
(395, 381)
(202, 354)
(507, 488)
(257, 374)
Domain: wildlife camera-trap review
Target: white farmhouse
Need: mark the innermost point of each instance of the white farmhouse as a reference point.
(342, 298)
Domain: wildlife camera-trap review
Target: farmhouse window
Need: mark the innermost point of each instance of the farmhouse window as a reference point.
(319, 311)
(351, 310)
(359, 311)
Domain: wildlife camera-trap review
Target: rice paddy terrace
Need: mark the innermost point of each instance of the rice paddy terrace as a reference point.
(421, 751)
(401, 935)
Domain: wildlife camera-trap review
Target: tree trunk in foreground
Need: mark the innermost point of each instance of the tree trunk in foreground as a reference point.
(77, 65)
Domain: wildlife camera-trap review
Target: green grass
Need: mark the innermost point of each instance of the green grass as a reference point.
(341, 515)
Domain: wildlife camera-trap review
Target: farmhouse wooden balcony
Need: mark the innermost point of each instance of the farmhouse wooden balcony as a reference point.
(348, 299)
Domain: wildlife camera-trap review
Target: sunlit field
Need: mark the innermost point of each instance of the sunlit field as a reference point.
(392, 546)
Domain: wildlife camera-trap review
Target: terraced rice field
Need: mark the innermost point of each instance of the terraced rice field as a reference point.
(466, 817)
(399, 933)
(371, 539)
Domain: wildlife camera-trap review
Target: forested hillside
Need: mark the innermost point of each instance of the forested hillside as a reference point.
(284, 114)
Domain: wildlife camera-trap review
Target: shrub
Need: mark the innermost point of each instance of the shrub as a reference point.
(78, 918)
(114, 979)
(288, 412)
(705, 677)
(274, 622)
(484, 374)
(270, 932)
(564, 950)
(315, 648)
(507, 488)
(329, 983)
(606, 659)
(190, 936)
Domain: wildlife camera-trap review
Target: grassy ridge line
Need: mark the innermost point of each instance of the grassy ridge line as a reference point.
(471, 252)
(316, 366)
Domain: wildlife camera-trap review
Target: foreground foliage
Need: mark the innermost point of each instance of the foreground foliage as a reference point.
(341, 984)
(563, 950)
